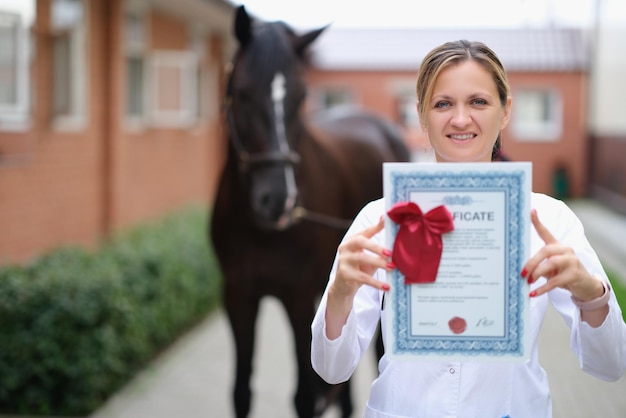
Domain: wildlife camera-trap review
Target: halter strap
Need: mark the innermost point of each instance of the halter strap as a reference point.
(248, 160)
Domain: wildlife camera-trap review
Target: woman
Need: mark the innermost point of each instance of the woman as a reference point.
(464, 103)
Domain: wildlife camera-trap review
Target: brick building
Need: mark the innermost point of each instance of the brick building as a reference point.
(109, 115)
(607, 124)
(110, 109)
(547, 70)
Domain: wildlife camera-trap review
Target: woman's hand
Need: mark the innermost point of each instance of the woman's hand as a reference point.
(357, 260)
(561, 267)
(355, 266)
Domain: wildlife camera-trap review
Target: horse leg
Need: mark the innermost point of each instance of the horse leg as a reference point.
(300, 317)
(380, 348)
(309, 384)
(345, 400)
(242, 313)
(339, 393)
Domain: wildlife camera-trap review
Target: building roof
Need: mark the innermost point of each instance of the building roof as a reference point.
(524, 49)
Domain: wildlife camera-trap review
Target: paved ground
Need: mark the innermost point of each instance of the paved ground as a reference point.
(606, 231)
(193, 378)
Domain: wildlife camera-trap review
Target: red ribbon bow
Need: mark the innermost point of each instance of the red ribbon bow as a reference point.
(418, 245)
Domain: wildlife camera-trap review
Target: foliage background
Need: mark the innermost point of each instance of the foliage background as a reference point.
(77, 325)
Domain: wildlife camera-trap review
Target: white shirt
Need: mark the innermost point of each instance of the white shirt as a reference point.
(440, 389)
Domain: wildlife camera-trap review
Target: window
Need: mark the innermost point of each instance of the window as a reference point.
(14, 68)
(164, 88)
(197, 46)
(173, 88)
(135, 89)
(135, 35)
(335, 96)
(537, 115)
(407, 110)
(68, 63)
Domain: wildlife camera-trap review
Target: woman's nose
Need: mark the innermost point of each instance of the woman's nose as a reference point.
(461, 117)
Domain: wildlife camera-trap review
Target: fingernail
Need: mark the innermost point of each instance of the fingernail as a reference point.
(530, 279)
(387, 253)
(391, 266)
(386, 287)
(533, 294)
(524, 272)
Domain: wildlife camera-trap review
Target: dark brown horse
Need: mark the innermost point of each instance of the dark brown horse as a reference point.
(284, 195)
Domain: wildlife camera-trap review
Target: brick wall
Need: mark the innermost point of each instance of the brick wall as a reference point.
(50, 193)
(74, 187)
(375, 90)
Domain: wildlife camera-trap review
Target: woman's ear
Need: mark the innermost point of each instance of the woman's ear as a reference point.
(419, 116)
(507, 113)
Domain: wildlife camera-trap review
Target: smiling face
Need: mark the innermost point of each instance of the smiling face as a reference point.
(464, 115)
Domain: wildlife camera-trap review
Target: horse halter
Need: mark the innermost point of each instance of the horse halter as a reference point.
(247, 161)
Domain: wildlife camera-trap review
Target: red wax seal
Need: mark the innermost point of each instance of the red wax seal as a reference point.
(457, 325)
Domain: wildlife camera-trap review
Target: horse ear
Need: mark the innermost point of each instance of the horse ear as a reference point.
(302, 42)
(243, 26)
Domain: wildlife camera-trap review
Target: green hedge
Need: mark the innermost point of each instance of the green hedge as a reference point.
(620, 291)
(76, 325)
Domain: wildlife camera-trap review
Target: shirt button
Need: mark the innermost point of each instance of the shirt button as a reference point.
(452, 371)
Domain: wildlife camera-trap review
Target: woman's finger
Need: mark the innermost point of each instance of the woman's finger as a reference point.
(535, 266)
(542, 231)
(360, 257)
(362, 241)
(365, 261)
(551, 248)
(374, 229)
(548, 286)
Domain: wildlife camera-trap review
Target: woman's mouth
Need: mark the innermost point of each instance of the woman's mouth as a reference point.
(461, 137)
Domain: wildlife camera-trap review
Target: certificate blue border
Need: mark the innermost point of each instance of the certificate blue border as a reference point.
(511, 343)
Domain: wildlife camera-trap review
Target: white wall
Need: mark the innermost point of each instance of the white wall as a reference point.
(608, 74)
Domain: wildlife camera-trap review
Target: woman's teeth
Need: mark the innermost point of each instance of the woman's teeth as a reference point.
(463, 137)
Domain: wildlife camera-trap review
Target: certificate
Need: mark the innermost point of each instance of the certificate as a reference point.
(477, 309)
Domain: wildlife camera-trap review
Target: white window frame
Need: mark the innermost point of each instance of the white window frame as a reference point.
(407, 109)
(198, 46)
(15, 116)
(538, 130)
(136, 48)
(75, 118)
(185, 63)
(347, 97)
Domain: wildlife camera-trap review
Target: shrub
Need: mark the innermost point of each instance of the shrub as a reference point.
(617, 284)
(77, 325)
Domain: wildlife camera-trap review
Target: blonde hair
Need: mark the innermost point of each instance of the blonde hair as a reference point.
(454, 53)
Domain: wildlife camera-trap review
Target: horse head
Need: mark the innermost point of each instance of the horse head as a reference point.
(265, 93)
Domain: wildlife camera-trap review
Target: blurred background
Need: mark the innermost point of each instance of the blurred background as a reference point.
(110, 110)
(110, 119)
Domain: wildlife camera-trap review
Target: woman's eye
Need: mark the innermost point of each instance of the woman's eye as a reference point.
(441, 105)
(480, 102)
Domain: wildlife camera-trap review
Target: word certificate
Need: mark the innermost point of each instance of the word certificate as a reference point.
(476, 308)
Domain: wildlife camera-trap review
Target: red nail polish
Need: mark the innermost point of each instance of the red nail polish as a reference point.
(391, 266)
(533, 294)
(386, 287)
(530, 279)
(524, 272)
(387, 253)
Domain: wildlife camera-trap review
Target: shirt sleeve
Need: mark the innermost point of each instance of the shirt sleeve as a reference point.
(601, 351)
(336, 360)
